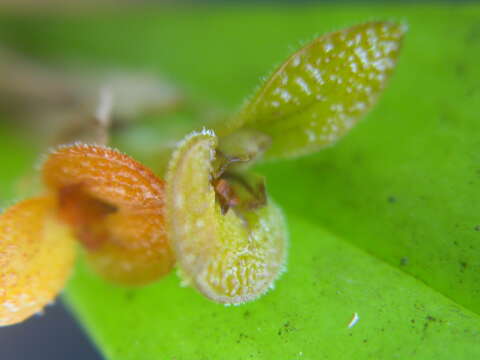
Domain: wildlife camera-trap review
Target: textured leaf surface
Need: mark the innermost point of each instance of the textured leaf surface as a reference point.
(403, 187)
(322, 90)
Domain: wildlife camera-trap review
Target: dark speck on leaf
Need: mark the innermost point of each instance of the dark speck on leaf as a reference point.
(286, 328)
(460, 69)
(404, 261)
(429, 319)
(130, 295)
(477, 228)
(241, 337)
(474, 34)
(392, 199)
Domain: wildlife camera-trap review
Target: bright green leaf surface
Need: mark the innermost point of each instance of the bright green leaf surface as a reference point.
(305, 317)
(17, 165)
(403, 187)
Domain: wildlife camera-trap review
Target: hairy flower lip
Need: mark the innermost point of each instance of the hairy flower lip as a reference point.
(230, 257)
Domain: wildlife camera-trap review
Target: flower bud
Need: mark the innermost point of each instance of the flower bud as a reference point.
(116, 207)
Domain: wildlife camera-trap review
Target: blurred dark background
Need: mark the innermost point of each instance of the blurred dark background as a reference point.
(55, 335)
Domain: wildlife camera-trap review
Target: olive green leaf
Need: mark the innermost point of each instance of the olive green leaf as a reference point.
(320, 92)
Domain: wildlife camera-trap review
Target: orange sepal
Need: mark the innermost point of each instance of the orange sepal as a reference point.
(36, 258)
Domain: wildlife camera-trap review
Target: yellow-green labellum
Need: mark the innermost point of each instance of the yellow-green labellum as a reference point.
(230, 257)
(321, 91)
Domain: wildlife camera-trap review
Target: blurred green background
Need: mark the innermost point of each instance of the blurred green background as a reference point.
(199, 60)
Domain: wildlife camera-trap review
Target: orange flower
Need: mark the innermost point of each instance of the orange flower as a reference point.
(113, 205)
